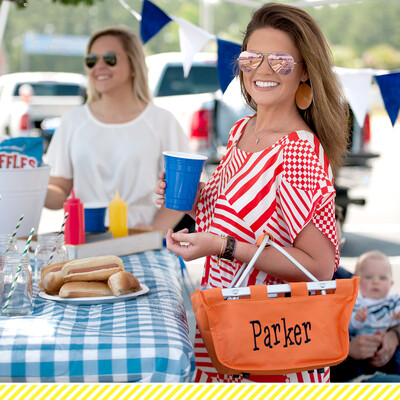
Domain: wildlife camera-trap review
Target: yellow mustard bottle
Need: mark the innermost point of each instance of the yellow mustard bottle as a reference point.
(118, 217)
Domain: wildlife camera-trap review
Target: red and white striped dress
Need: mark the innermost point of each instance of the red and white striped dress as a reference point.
(278, 190)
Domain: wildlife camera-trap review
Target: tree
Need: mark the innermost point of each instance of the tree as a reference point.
(76, 2)
(351, 29)
(382, 56)
(25, 3)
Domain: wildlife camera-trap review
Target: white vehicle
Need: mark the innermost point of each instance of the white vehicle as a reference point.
(191, 99)
(29, 98)
(196, 101)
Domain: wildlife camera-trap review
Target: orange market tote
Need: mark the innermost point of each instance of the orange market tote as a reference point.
(276, 329)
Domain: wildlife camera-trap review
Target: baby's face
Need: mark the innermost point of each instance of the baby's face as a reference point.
(375, 279)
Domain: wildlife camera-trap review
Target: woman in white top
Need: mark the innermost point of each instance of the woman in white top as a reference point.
(115, 141)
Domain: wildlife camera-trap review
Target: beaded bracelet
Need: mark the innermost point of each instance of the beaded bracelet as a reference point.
(223, 237)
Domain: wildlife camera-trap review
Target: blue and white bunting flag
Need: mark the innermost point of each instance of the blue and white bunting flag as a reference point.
(389, 86)
(153, 20)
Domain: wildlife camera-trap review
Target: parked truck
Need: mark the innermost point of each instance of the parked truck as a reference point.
(191, 99)
(32, 102)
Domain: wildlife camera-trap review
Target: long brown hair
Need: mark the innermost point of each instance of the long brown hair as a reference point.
(327, 115)
(134, 49)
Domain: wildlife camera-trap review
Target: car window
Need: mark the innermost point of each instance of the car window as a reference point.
(52, 89)
(201, 79)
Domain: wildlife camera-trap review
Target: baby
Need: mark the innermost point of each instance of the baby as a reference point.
(375, 309)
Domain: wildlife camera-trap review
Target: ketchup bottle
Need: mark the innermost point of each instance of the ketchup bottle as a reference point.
(118, 217)
(74, 231)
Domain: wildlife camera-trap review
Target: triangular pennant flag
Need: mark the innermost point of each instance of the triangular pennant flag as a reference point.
(228, 53)
(192, 39)
(356, 85)
(153, 20)
(389, 86)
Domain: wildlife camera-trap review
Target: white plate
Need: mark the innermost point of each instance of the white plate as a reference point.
(95, 300)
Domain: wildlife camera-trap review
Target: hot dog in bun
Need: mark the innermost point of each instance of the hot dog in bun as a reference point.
(92, 268)
(84, 289)
(52, 277)
(122, 283)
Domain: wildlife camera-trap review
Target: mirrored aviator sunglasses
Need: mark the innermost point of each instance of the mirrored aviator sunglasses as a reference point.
(281, 63)
(109, 58)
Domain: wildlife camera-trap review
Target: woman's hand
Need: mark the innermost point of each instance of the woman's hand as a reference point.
(160, 190)
(199, 189)
(190, 246)
(364, 346)
(386, 351)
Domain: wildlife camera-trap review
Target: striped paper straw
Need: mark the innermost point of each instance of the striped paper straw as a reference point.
(61, 231)
(10, 293)
(14, 233)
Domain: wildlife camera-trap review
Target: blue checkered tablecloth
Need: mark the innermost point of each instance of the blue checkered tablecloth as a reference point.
(141, 340)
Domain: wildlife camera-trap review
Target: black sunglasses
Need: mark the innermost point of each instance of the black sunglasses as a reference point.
(109, 58)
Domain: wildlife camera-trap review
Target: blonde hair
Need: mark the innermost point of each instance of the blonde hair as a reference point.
(327, 115)
(134, 50)
(371, 255)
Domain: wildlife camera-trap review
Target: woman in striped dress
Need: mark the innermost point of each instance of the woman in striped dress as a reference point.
(276, 176)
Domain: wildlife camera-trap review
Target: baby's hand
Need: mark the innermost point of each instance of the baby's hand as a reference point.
(396, 315)
(361, 314)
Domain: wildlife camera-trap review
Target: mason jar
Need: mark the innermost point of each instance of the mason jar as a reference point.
(15, 284)
(8, 244)
(50, 249)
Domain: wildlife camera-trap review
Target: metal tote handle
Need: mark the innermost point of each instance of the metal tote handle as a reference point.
(267, 240)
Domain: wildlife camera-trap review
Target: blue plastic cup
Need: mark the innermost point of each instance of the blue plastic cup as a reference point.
(95, 214)
(182, 176)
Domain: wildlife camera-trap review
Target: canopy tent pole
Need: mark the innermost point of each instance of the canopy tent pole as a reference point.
(4, 9)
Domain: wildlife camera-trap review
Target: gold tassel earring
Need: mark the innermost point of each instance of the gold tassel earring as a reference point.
(304, 96)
